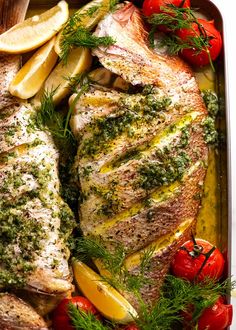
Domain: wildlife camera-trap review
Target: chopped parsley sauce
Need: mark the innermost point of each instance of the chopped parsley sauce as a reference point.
(130, 115)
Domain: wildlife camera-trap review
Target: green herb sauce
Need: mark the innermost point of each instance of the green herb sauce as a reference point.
(107, 129)
(211, 134)
(159, 173)
(20, 242)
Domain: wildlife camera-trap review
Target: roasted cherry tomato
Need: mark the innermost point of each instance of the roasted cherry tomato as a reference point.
(197, 260)
(61, 320)
(208, 30)
(219, 316)
(154, 6)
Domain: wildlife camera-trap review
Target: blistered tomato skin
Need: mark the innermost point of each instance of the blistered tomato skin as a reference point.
(201, 58)
(154, 6)
(61, 320)
(186, 265)
(219, 316)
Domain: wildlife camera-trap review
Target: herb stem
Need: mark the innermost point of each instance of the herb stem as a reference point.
(83, 89)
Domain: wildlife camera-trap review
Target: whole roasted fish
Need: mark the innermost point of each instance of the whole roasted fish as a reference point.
(142, 157)
(34, 255)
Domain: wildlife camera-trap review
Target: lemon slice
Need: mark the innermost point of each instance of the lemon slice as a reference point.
(34, 31)
(106, 299)
(31, 76)
(79, 60)
(88, 16)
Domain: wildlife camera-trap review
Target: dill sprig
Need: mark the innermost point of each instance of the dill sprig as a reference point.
(114, 262)
(77, 31)
(178, 295)
(47, 118)
(82, 82)
(82, 37)
(175, 18)
(85, 321)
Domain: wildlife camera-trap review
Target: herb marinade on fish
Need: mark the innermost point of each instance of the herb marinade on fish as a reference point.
(33, 251)
(142, 157)
(141, 165)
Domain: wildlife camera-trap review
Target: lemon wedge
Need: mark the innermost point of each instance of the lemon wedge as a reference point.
(31, 76)
(79, 60)
(106, 299)
(88, 16)
(34, 31)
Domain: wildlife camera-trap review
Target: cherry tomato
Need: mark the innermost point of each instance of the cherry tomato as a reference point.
(192, 55)
(188, 261)
(219, 316)
(154, 6)
(60, 318)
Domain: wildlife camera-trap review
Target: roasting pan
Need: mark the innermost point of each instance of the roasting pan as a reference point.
(215, 221)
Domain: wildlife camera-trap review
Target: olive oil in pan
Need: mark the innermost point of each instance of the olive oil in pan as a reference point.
(208, 222)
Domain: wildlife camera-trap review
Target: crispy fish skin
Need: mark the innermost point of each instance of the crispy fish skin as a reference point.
(121, 203)
(31, 209)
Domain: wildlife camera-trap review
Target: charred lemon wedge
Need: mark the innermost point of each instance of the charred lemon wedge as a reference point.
(105, 298)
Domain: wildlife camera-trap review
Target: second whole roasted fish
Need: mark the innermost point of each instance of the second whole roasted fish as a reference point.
(34, 221)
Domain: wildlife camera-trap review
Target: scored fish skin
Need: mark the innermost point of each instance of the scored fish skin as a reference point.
(32, 213)
(116, 205)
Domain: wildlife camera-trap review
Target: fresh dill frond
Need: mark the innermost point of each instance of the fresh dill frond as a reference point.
(151, 36)
(145, 259)
(114, 262)
(77, 31)
(78, 80)
(46, 109)
(85, 321)
(175, 44)
(178, 295)
(81, 81)
(174, 18)
(93, 249)
(47, 118)
(82, 37)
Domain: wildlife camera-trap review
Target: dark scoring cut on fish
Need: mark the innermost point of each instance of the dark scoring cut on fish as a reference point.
(123, 138)
(34, 260)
